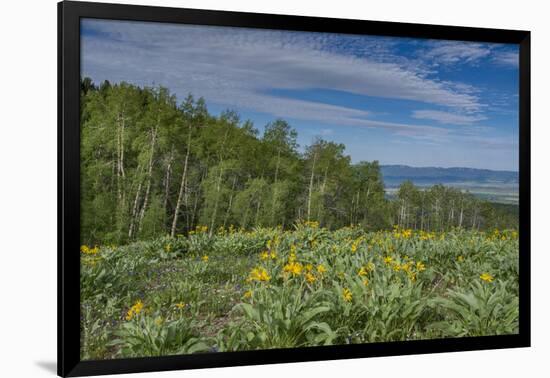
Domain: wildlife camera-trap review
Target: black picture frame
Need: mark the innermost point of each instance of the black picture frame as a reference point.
(69, 14)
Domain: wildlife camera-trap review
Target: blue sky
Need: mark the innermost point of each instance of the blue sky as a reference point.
(397, 100)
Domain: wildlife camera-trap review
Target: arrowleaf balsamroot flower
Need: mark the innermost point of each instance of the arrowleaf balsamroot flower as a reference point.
(486, 277)
(346, 293)
(294, 268)
(310, 278)
(258, 274)
(134, 310)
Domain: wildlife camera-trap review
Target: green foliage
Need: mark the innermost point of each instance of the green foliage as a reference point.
(283, 317)
(232, 289)
(485, 309)
(153, 336)
(151, 167)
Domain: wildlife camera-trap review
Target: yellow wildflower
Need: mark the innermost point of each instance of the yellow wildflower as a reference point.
(420, 266)
(248, 294)
(321, 269)
(309, 267)
(310, 278)
(460, 258)
(134, 310)
(180, 305)
(311, 224)
(205, 258)
(89, 251)
(259, 274)
(346, 293)
(388, 260)
(366, 282)
(486, 277)
(293, 268)
(264, 255)
(168, 248)
(292, 257)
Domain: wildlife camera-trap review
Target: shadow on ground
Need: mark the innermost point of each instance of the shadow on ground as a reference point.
(50, 366)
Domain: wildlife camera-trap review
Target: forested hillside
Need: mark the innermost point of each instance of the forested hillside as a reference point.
(151, 166)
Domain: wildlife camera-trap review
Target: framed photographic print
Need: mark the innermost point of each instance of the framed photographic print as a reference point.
(239, 188)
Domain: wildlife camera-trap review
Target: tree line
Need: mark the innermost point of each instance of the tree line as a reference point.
(151, 166)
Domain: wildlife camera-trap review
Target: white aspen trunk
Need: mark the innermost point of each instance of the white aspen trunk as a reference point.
(365, 211)
(422, 217)
(230, 201)
(311, 187)
(149, 176)
(403, 216)
(257, 212)
(167, 184)
(195, 206)
(273, 192)
(123, 125)
(167, 178)
(182, 185)
(134, 210)
(277, 166)
(357, 204)
(118, 174)
(120, 170)
(218, 188)
(320, 213)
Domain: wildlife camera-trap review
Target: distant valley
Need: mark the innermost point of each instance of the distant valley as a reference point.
(494, 186)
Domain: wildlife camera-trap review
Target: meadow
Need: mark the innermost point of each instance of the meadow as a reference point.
(232, 289)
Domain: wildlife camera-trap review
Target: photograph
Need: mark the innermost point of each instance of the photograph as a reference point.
(252, 188)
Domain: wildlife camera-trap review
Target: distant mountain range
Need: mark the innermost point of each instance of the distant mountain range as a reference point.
(394, 175)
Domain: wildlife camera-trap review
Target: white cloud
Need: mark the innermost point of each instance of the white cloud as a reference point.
(448, 52)
(236, 69)
(507, 58)
(448, 118)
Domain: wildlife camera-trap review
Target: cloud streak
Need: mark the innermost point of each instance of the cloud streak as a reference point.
(448, 118)
(234, 69)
